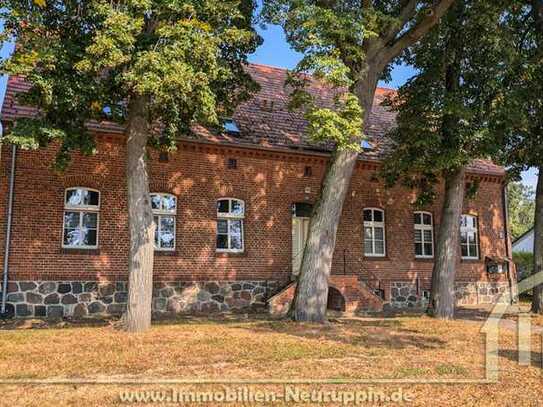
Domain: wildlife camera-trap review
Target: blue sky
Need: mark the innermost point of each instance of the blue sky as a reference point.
(276, 52)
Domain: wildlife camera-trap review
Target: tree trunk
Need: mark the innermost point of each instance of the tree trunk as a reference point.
(140, 220)
(447, 248)
(537, 297)
(311, 296)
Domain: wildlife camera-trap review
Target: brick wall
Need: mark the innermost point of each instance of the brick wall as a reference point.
(268, 182)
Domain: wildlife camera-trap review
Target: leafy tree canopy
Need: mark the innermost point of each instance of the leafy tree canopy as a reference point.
(85, 60)
(518, 119)
(443, 110)
(521, 206)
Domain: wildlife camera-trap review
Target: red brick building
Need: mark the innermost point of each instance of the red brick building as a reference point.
(232, 209)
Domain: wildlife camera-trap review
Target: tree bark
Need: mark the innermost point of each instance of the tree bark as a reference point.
(140, 220)
(537, 297)
(447, 248)
(311, 296)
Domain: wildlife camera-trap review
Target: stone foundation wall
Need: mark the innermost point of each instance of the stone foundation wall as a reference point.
(57, 299)
(480, 292)
(404, 294)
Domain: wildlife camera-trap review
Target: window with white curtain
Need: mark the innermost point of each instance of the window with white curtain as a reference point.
(164, 208)
(374, 232)
(81, 217)
(424, 235)
(469, 237)
(230, 215)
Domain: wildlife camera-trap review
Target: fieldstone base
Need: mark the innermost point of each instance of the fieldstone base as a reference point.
(77, 299)
(481, 292)
(404, 294)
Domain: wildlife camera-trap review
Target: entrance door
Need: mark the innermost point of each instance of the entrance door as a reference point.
(300, 229)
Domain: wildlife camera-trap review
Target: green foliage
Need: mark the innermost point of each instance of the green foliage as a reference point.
(87, 60)
(340, 123)
(518, 120)
(443, 110)
(525, 264)
(521, 208)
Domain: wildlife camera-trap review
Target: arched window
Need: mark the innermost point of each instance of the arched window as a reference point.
(374, 232)
(164, 208)
(230, 215)
(81, 213)
(424, 235)
(469, 237)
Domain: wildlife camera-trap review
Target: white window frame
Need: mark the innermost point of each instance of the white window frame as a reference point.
(470, 229)
(165, 213)
(229, 216)
(423, 227)
(81, 209)
(374, 225)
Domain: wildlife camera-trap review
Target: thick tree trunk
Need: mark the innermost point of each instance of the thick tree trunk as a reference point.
(311, 295)
(447, 248)
(140, 220)
(312, 290)
(537, 298)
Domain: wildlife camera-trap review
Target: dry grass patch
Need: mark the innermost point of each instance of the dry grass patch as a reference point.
(359, 348)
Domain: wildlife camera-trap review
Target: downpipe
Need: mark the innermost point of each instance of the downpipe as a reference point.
(3, 312)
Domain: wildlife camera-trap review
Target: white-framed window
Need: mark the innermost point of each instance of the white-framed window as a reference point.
(81, 218)
(424, 235)
(469, 237)
(230, 215)
(164, 208)
(374, 232)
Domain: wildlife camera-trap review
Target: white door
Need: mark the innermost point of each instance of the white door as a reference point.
(300, 230)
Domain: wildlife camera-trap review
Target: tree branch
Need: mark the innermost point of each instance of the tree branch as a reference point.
(407, 12)
(433, 15)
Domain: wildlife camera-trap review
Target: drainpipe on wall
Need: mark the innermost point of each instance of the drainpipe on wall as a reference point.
(8, 231)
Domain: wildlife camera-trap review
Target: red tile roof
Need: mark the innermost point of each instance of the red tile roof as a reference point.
(265, 120)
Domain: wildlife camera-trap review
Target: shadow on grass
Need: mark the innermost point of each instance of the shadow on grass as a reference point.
(472, 314)
(34, 323)
(536, 359)
(384, 334)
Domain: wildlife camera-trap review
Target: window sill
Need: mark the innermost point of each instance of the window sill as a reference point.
(89, 252)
